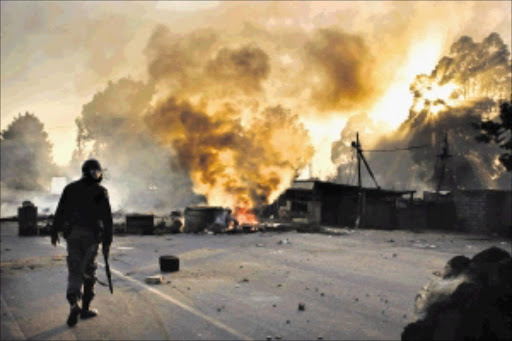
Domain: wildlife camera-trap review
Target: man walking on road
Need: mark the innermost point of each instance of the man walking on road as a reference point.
(84, 216)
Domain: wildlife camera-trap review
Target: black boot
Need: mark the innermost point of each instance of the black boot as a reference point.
(75, 308)
(86, 311)
(73, 314)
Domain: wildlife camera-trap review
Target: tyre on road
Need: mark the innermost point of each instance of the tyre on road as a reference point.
(169, 263)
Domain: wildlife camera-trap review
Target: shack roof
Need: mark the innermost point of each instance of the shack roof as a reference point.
(325, 186)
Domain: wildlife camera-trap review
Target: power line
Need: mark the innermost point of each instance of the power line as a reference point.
(396, 149)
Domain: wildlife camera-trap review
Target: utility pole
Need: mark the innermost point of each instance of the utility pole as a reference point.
(360, 156)
(358, 150)
(361, 195)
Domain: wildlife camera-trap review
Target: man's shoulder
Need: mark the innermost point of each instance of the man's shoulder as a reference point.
(103, 190)
(72, 184)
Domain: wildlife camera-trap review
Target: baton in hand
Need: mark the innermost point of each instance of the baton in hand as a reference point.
(107, 270)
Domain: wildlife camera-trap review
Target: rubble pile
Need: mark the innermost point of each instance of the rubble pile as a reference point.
(471, 300)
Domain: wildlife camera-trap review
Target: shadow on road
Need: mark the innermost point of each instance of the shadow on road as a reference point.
(50, 334)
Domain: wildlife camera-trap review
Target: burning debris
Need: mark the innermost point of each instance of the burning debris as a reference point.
(201, 218)
(228, 163)
(472, 300)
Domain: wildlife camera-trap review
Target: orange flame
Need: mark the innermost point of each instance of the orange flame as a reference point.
(245, 216)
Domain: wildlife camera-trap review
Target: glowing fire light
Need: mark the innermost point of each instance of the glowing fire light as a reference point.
(436, 98)
(245, 216)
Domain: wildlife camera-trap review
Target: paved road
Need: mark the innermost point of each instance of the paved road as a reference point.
(356, 286)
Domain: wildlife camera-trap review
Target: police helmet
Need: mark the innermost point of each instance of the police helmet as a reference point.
(92, 169)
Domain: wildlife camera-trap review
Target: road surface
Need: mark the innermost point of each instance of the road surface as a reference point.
(360, 285)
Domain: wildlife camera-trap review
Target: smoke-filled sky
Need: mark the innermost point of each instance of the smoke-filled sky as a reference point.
(227, 102)
(56, 55)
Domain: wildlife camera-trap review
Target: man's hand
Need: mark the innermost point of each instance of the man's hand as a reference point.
(55, 239)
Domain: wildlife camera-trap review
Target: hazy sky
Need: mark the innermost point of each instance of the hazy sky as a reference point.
(56, 55)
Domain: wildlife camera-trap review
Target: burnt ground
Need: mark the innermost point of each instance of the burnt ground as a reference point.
(360, 285)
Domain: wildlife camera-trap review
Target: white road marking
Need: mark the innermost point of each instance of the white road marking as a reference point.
(180, 304)
(10, 324)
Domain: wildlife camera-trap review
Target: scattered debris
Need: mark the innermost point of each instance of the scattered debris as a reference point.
(302, 306)
(155, 279)
(284, 241)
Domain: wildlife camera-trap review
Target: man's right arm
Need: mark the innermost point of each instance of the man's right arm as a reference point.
(106, 217)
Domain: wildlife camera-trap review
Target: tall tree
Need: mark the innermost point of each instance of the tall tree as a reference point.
(500, 133)
(25, 152)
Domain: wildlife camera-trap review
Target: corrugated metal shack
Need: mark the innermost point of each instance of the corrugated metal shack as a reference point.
(332, 204)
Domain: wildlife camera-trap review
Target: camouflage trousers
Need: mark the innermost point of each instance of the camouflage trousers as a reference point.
(82, 248)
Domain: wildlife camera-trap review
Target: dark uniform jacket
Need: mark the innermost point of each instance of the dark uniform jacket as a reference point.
(84, 203)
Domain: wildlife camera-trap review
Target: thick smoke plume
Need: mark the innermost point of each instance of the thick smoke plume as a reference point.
(195, 126)
(464, 87)
(228, 163)
(236, 153)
